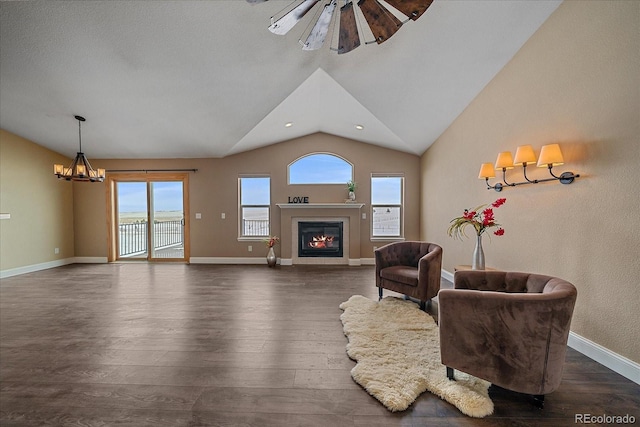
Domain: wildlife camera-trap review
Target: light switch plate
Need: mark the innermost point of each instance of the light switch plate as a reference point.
(198, 215)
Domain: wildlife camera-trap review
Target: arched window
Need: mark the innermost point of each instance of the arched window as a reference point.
(320, 168)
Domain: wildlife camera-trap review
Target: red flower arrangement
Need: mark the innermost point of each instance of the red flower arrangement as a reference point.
(272, 241)
(481, 219)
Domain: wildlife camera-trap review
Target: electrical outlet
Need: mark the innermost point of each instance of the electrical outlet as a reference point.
(198, 215)
(364, 215)
(56, 251)
(223, 215)
(250, 248)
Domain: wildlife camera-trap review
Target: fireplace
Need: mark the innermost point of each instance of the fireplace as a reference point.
(320, 239)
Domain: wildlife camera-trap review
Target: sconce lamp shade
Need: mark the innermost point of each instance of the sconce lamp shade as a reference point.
(504, 160)
(524, 155)
(550, 155)
(487, 171)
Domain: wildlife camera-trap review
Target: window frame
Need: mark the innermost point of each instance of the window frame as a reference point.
(400, 236)
(319, 183)
(250, 237)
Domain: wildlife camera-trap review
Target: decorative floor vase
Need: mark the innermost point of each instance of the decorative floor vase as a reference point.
(478, 255)
(271, 258)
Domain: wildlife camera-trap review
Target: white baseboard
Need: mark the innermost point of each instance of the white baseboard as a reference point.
(447, 275)
(367, 261)
(35, 267)
(258, 261)
(228, 260)
(620, 364)
(90, 260)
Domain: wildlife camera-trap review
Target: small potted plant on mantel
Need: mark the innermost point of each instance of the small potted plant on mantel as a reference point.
(351, 187)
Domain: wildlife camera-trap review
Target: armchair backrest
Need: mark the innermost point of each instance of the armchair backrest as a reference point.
(510, 282)
(404, 253)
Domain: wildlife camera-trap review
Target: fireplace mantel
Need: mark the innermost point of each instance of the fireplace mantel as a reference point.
(320, 205)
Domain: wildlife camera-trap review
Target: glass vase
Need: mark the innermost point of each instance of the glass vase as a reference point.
(271, 257)
(478, 255)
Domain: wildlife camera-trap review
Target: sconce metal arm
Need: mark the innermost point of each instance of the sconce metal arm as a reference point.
(497, 187)
(524, 172)
(564, 178)
(504, 178)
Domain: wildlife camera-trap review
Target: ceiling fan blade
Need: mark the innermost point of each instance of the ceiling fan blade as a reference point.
(348, 37)
(284, 24)
(382, 23)
(412, 8)
(321, 28)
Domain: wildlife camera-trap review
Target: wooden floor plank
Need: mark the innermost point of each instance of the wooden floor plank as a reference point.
(138, 344)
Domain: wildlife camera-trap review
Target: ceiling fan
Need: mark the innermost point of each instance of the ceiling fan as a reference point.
(381, 17)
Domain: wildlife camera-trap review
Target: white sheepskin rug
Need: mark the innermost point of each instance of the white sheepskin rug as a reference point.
(397, 350)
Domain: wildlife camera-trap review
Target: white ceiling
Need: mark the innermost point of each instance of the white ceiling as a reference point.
(182, 79)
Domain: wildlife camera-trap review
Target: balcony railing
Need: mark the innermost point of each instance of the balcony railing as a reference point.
(255, 227)
(133, 236)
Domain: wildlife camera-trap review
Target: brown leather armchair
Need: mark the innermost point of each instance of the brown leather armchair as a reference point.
(510, 329)
(410, 268)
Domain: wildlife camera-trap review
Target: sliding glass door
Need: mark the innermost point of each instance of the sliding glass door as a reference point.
(148, 220)
(166, 213)
(132, 220)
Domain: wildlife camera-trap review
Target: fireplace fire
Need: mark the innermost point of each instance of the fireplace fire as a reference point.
(320, 239)
(321, 242)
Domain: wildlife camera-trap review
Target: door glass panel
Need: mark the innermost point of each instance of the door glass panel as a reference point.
(167, 216)
(132, 220)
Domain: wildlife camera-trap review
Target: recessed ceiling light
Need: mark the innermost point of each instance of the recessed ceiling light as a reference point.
(288, 124)
(359, 127)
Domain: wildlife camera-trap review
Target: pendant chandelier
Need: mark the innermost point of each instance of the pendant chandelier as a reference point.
(80, 169)
(378, 15)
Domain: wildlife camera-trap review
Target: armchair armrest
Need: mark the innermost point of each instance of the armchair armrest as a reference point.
(430, 266)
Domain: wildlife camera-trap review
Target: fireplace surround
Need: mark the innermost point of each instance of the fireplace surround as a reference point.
(347, 213)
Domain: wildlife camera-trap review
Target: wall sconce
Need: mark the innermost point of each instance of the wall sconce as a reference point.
(550, 156)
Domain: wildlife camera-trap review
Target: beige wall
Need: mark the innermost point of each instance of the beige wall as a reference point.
(214, 190)
(575, 82)
(41, 207)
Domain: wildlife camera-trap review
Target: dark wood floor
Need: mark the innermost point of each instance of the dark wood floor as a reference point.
(138, 344)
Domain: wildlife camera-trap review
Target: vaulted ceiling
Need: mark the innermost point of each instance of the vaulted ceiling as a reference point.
(182, 79)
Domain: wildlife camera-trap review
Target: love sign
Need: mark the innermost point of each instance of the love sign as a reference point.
(299, 199)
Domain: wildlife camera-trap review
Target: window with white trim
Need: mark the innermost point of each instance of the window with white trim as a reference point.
(255, 203)
(386, 206)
